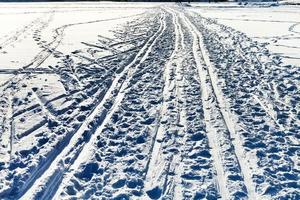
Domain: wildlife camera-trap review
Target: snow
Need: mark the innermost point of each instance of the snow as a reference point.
(278, 27)
(105, 100)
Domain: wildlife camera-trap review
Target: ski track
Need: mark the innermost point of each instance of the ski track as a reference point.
(257, 64)
(55, 169)
(154, 167)
(209, 92)
(167, 170)
(162, 115)
(138, 73)
(34, 128)
(118, 100)
(50, 48)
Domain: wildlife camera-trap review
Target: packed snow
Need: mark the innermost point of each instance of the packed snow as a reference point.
(149, 101)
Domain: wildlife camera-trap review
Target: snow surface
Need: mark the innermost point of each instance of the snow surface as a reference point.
(277, 27)
(149, 101)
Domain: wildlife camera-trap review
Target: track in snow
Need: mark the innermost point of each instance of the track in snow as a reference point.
(179, 107)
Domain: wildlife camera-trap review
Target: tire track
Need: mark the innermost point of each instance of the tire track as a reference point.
(52, 176)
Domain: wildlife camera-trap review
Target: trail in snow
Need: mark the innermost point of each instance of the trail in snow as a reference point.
(229, 125)
(166, 104)
(70, 153)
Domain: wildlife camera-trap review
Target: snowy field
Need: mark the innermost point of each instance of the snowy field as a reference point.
(149, 101)
(276, 27)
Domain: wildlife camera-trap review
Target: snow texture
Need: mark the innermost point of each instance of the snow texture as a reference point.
(149, 101)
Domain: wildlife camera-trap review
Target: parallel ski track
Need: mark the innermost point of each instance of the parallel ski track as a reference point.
(153, 167)
(210, 134)
(16, 79)
(266, 101)
(184, 187)
(49, 179)
(88, 148)
(198, 45)
(174, 188)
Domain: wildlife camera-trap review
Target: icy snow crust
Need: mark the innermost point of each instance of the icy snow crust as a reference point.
(148, 101)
